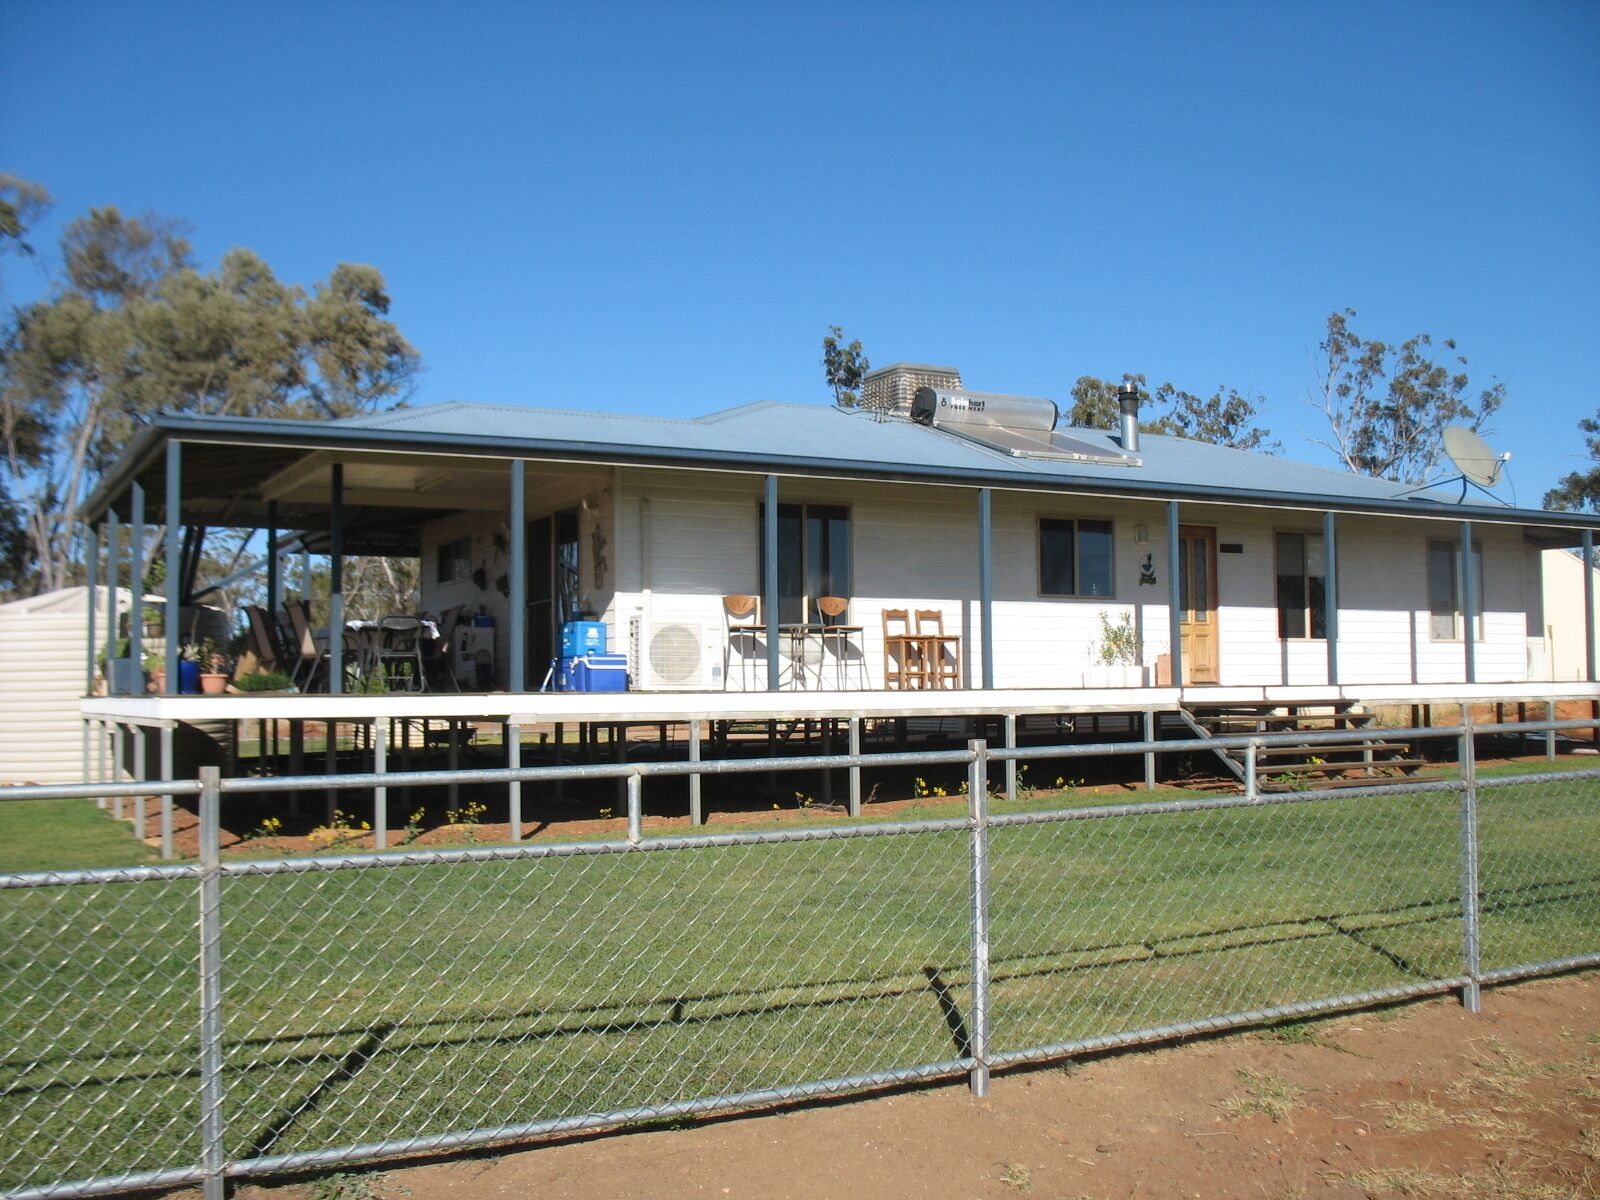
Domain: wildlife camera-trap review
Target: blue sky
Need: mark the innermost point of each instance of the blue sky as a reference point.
(661, 208)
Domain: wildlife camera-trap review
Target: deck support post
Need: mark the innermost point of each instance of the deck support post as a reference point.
(697, 814)
(141, 776)
(513, 740)
(113, 569)
(1011, 763)
(172, 511)
(519, 578)
(1174, 596)
(769, 579)
(336, 584)
(1330, 595)
(986, 583)
(1589, 604)
(380, 794)
(136, 581)
(119, 750)
(1469, 602)
(1149, 755)
(855, 771)
(561, 743)
(166, 797)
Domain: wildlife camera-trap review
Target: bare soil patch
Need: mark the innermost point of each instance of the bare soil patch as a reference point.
(1420, 1101)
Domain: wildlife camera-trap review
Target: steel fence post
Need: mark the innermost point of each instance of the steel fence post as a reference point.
(212, 1150)
(635, 807)
(978, 806)
(1470, 997)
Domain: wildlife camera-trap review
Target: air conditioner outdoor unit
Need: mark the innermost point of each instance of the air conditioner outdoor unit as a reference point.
(672, 656)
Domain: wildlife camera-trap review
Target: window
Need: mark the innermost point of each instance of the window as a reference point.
(1445, 591)
(1302, 586)
(1075, 558)
(455, 561)
(813, 558)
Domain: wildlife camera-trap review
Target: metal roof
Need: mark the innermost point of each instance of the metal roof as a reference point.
(790, 438)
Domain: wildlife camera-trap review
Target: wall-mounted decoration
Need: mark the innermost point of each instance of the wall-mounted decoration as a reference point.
(1147, 570)
(597, 542)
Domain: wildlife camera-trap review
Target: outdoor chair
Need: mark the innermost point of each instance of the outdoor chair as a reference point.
(438, 655)
(400, 654)
(306, 658)
(842, 641)
(743, 640)
(903, 666)
(270, 653)
(941, 651)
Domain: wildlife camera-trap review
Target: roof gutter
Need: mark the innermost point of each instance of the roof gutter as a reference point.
(256, 431)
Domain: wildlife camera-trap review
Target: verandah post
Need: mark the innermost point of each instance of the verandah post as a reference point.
(173, 514)
(986, 583)
(336, 583)
(769, 579)
(1174, 596)
(1330, 595)
(518, 678)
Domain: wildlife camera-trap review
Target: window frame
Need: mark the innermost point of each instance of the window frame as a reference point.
(444, 570)
(1457, 579)
(1309, 610)
(1077, 557)
(807, 602)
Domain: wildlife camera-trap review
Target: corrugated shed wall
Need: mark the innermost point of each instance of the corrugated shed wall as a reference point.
(42, 656)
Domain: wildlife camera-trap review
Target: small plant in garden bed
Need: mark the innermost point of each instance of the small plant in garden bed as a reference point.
(270, 827)
(341, 830)
(413, 828)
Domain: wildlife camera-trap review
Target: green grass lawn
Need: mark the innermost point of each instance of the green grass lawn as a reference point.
(369, 1004)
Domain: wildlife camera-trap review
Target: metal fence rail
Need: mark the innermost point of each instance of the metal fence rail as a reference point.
(191, 1022)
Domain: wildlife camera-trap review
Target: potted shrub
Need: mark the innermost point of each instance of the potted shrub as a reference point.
(213, 669)
(1114, 659)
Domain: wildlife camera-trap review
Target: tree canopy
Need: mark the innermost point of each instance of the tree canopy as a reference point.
(1581, 489)
(1225, 418)
(131, 326)
(844, 366)
(1387, 405)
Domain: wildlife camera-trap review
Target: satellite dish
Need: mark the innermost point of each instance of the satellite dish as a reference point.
(1472, 456)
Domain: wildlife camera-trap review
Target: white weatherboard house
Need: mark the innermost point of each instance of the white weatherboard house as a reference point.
(1274, 580)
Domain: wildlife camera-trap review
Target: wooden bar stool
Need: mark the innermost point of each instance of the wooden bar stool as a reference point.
(940, 651)
(903, 664)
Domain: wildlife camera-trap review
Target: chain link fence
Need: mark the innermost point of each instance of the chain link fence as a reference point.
(191, 1022)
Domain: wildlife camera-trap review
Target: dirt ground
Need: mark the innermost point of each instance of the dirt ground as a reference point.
(1424, 1100)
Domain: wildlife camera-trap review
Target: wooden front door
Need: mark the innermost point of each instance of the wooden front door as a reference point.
(1197, 593)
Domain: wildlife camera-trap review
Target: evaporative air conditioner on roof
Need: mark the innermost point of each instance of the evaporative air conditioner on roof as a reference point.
(1018, 426)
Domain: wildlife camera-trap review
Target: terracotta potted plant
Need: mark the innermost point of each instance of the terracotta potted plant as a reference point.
(213, 673)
